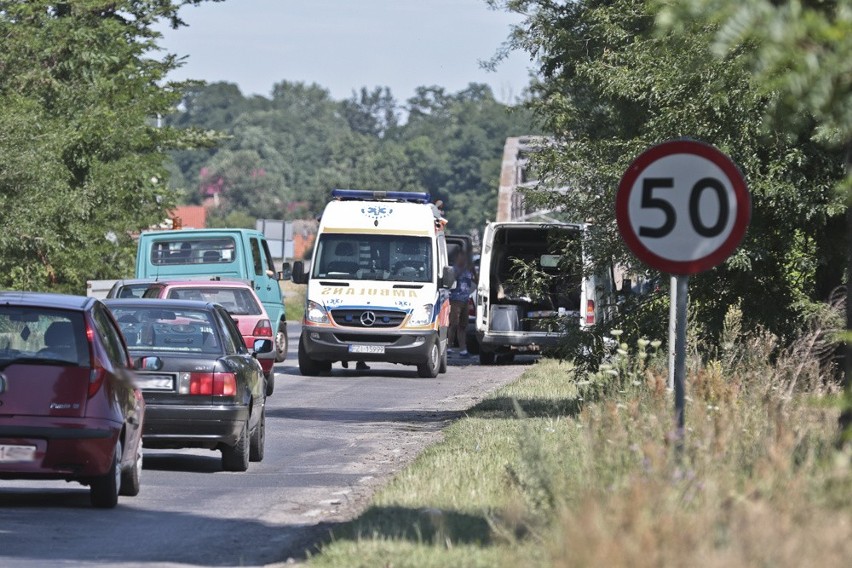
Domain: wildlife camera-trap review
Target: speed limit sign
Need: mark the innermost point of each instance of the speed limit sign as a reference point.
(682, 207)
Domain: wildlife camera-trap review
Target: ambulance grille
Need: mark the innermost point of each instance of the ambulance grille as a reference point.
(367, 318)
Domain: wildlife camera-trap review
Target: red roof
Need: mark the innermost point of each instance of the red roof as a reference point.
(191, 216)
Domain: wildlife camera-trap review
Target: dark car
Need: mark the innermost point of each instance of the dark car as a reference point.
(202, 387)
(69, 405)
(240, 301)
(130, 287)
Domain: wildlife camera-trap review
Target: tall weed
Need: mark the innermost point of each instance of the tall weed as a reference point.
(757, 480)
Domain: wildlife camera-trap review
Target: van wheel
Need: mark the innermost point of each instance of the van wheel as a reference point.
(473, 346)
(281, 343)
(486, 357)
(429, 369)
(506, 358)
(307, 366)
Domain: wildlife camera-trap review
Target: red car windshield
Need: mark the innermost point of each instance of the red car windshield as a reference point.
(237, 301)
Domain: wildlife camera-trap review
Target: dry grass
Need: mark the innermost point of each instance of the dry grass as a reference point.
(566, 470)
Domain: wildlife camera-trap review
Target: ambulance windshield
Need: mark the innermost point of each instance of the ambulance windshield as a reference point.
(396, 258)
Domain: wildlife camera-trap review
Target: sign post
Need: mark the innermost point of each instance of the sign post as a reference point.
(682, 207)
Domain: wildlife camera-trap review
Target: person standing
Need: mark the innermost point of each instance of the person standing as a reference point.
(458, 305)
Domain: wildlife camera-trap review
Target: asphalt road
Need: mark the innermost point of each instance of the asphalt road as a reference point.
(330, 442)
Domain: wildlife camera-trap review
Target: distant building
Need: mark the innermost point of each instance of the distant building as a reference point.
(189, 216)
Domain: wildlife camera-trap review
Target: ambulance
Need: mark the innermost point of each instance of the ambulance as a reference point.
(378, 284)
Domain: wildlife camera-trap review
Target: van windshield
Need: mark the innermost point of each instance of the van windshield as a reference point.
(397, 258)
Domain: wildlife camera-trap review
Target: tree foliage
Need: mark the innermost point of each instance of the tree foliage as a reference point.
(81, 157)
(612, 83)
(449, 144)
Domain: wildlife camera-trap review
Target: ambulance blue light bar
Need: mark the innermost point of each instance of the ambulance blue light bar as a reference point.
(366, 194)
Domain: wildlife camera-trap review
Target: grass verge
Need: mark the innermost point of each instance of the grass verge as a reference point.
(294, 300)
(563, 469)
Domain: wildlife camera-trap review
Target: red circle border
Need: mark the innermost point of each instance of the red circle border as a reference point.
(735, 177)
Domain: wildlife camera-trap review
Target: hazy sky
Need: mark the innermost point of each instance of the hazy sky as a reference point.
(344, 45)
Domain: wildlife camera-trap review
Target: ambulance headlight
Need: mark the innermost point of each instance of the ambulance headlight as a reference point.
(315, 313)
(421, 315)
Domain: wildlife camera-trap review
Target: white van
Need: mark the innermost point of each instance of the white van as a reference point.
(378, 284)
(511, 318)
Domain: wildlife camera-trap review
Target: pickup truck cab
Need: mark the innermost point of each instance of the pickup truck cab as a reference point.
(224, 254)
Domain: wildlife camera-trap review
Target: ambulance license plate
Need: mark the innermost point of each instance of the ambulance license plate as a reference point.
(367, 349)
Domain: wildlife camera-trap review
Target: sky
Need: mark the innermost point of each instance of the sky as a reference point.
(343, 45)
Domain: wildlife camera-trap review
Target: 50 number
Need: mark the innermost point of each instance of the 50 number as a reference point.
(649, 201)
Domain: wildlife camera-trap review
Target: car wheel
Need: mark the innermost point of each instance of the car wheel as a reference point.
(486, 357)
(270, 382)
(103, 491)
(307, 366)
(236, 457)
(443, 365)
(429, 369)
(282, 343)
(131, 478)
(258, 438)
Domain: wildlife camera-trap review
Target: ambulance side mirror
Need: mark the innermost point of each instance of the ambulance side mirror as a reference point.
(299, 275)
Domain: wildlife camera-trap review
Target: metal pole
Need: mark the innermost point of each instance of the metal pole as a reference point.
(680, 355)
(672, 326)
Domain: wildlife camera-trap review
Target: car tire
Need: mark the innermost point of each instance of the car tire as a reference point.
(486, 357)
(236, 457)
(429, 369)
(131, 479)
(258, 438)
(270, 382)
(282, 343)
(307, 366)
(103, 491)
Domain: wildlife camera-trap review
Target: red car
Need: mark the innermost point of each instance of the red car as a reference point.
(239, 299)
(69, 405)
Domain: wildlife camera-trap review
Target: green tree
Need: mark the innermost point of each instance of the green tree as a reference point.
(456, 141)
(374, 113)
(801, 52)
(611, 85)
(81, 155)
(450, 145)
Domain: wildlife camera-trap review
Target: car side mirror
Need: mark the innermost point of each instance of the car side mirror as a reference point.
(286, 272)
(299, 276)
(148, 364)
(261, 346)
